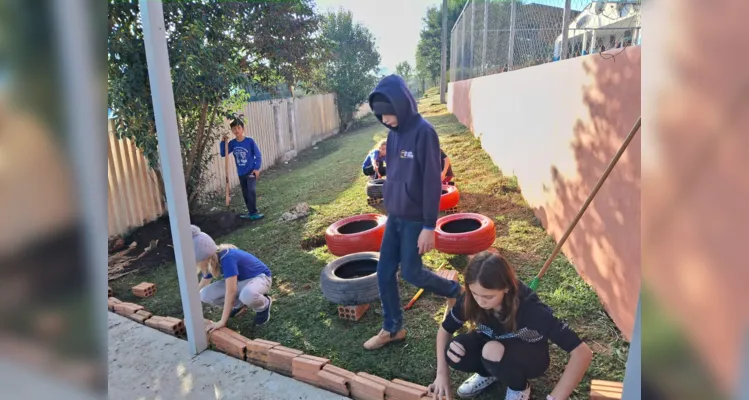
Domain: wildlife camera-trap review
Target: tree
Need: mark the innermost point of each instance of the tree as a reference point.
(404, 70)
(351, 69)
(215, 50)
(429, 48)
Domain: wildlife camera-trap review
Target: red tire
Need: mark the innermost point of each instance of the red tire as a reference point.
(464, 233)
(450, 197)
(356, 234)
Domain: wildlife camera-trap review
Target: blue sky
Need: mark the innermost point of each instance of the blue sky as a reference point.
(396, 30)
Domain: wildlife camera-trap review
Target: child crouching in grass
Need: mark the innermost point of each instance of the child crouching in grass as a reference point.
(246, 280)
(373, 166)
(511, 341)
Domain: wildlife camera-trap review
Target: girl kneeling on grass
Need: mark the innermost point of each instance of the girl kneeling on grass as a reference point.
(510, 342)
(246, 279)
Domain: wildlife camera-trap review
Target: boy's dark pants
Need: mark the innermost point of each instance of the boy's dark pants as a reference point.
(400, 246)
(521, 361)
(248, 183)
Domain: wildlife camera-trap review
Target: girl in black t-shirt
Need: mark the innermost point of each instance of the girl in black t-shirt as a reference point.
(510, 342)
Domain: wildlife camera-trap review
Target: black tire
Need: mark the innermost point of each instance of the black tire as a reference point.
(351, 280)
(374, 188)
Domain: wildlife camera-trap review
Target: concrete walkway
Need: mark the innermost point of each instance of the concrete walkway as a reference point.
(147, 364)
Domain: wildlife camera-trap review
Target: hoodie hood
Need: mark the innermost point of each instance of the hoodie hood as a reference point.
(395, 90)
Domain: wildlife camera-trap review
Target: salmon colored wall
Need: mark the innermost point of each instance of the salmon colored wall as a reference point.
(556, 127)
(695, 188)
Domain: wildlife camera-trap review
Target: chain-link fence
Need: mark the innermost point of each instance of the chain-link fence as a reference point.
(492, 36)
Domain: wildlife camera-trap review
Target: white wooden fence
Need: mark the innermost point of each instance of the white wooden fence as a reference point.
(279, 127)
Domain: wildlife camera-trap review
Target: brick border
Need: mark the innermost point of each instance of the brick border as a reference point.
(315, 371)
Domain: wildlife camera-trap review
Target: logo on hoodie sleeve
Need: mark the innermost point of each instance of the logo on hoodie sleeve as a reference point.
(407, 154)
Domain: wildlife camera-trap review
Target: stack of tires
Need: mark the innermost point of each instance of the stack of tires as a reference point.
(352, 278)
(374, 188)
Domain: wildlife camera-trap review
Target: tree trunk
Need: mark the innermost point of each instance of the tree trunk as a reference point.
(198, 138)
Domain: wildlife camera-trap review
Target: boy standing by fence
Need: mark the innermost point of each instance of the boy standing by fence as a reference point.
(248, 159)
(412, 194)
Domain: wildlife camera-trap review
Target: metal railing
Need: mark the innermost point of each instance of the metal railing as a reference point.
(492, 36)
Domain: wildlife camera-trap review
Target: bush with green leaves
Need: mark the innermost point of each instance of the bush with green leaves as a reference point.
(216, 51)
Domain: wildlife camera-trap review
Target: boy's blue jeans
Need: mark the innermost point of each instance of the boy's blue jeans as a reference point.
(400, 245)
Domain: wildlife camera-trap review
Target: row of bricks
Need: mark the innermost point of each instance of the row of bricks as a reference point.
(313, 370)
(136, 312)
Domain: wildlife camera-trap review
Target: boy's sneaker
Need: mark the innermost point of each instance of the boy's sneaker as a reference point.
(261, 317)
(516, 395)
(245, 216)
(256, 216)
(474, 385)
(237, 311)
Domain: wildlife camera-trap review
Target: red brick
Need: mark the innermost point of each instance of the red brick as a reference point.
(352, 313)
(154, 322)
(395, 391)
(381, 381)
(303, 364)
(144, 313)
(268, 342)
(137, 318)
(289, 350)
(323, 361)
(348, 375)
(257, 353)
(144, 289)
(227, 343)
(309, 377)
(365, 389)
(424, 389)
(127, 307)
(279, 360)
(605, 390)
(334, 383)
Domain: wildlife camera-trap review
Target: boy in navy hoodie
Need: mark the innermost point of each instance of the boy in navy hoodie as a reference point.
(412, 194)
(248, 159)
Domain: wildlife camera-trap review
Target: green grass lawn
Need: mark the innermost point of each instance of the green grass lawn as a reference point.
(329, 178)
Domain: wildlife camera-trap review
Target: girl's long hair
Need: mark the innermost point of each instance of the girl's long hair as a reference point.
(492, 271)
(212, 263)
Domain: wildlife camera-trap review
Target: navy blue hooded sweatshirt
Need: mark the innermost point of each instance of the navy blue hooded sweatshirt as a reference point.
(413, 187)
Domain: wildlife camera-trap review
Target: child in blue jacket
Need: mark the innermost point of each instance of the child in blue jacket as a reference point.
(248, 159)
(412, 193)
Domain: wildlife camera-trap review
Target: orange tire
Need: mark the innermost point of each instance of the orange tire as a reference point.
(464, 233)
(360, 233)
(450, 197)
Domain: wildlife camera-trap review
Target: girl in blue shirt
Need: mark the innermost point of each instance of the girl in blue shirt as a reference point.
(246, 283)
(374, 165)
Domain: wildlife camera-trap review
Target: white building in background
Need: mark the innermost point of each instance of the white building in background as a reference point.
(602, 25)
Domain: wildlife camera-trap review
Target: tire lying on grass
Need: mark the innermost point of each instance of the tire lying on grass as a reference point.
(450, 197)
(464, 233)
(356, 234)
(374, 188)
(351, 280)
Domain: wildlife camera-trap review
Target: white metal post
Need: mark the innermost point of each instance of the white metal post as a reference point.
(483, 50)
(463, 45)
(443, 61)
(633, 370)
(154, 37)
(511, 44)
(565, 29)
(473, 18)
(83, 124)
